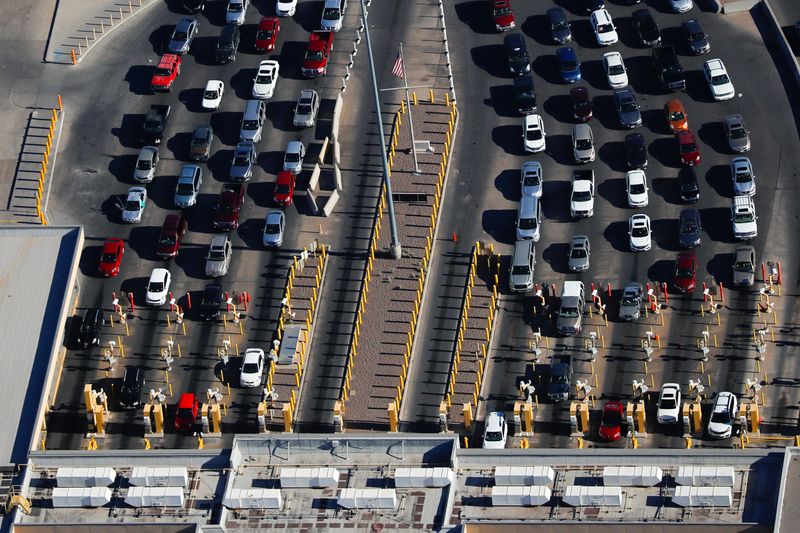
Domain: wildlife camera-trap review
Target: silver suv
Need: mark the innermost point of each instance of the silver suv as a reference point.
(744, 266)
(219, 256)
(305, 110)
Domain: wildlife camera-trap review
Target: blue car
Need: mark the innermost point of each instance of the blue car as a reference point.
(569, 65)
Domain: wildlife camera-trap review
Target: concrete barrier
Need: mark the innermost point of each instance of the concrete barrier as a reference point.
(785, 46)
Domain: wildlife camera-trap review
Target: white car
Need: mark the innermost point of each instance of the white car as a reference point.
(533, 133)
(720, 425)
(158, 287)
(252, 368)
(285, 8)
(583, 143)
(744, 179)
(134, 205)
(531, 182)
(212, 95)
(236, 12)
(293, 158)
(266, 79)
(616, 73)
(681, 6)
(636, 185)
(603, 26)
(146, 164)
(718, 80)
(639, 233)
(669, 404)
(495, 432)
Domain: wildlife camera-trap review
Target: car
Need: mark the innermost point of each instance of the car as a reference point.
(669, 404)
(135, 202)
(188, 187)
(635, 151)
(559, 25)
(305, 110)
(212, 94)
(285, 8)
(582, 143)
(194, 6)
(253, 119)
(236, 12)
(89, 331)
(559, 382)
(616, 73)
(183, 35)
(689, 227)
(211, 302)
(243, 161)
(688, 187)
(681, 6)
(284, 188)
(158, 286)
(677, 119)
(725, 411)
(579, 253)
(529, 219)
(636, 188)
(186, 412)
(668, 68)
(688, 150)
(320, 46)
(533, 133)
(696, 36)
(252, 368)
(686, 271)
(524, 94)
(227, 43)
(743, 218)
(495, 432)
(130, 392)
(569, 66)
(267, 34)
(611, 423)
(155, 122)
(516, 54)
(718, 80)
(744, 266)
(581, 199)
(531, 179)
(146, 163)
(639, 233)
(503, 15)
(218, 260)
(111, 257)
(169, 66)
(627, 108)
(737, 134)
(593, 5)
(200, 145)
(604, 30)
(293, 158)
(172, 231)
(228, 207)
(266, 79)
(333, 15)
(274, 226)
(646, 28)
(744, 179)
(581, 104)
(630, 304)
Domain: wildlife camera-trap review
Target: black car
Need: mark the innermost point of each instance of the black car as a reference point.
(593, 5)
(130, 393)
(211, 302)
(524, 94)
(688, 186)
(689, 227)
(696, 36)
(227, 43)
(646, 28)
(558, 384)
(89, 332)
(636, 151)
(194, 6)
(517, 53)
(559, 25)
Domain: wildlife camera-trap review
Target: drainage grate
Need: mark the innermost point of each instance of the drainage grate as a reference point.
(409, 197)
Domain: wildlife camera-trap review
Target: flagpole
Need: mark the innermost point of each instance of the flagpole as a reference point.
(410, 114)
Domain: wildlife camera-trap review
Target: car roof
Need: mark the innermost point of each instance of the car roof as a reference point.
(642, 14)
(722, 401)
(685, 136)
(252, 354)
(307, 93)
(148, 150)
(184, 23)
(745, 250)
(514, 40)
(566, 52)
(556, 14)
(579, 239)
(273, 216)
(635, 176)
(158, 273)
(532, 166)
(212, 288)
(202, 130)
(285, 176)
(218, 241)
(637, 138)
(579, 92)
(111, 244)
(267, 23)
(715, 64)
(686, 259)
(559, 369)
(187, 400)
(632, 285)
(293, 146)
(493, 421)
(172, 221)
(582, 130)
(615, 55)
(602, 16)
(689, 214)
(692, 25)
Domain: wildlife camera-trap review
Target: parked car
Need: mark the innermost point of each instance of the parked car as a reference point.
(158, 286)
(569, 66)
(579, 253)
(531, 179)
(646, 28)
(630, 304)
(604, 30)
(286, 8)
(274, 226)
(533, 133)
(212, 95)
(130, 393)
(726, 409)
(200, 147)
(228, 207)
(718, 81)
(211, 302)
(559, 382)
(696, 37)
(172, 231)
(688, 150)
(744, 179)
(284, 188)
(146, 163)
(333, 15)
(559, 25)
(503, 15)
(639, 233)
(267, 34)
(134, 205)
(744, 266)
(686, 271)
(517, 54)
(243, 161)
(529, 219)
(218, 260)
(111, 257)
(611, 423)
(616, 73)
(669, 404)
(293, 158)
(636, 151)
(305, 110)
(183, 35)
(737, 134)
(266, 79)
(688, 186)
(581, 104)
(252, 368)
(689, 227)
(186, 412)
(627, 108)
(636, 187)
(495, 432)
(188, 186)
(676, 116)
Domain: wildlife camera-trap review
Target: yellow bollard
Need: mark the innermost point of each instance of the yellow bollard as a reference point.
(447, 99)
(430, 94)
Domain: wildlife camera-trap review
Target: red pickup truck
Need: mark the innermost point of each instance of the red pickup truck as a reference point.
(320, 46)
(166, 72)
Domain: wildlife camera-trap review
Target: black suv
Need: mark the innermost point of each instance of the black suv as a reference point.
(646, 28)
(89, 334)
(130, 393)
(688, 186)
(227, 43)
(518, 61)
(211, 302)
(524, 94)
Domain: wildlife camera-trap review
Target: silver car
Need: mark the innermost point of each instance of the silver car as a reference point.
(631, 303)
(293, 159)
(133, 207)
(737, 134)
(744, 266)
(236, 11)
(579, 252)
(274, 226)
(183, 35)
(744, 179)
(188, 186)
(305, 111)
(582, 143)
(146, 164)
(218, 259)
(244, 158)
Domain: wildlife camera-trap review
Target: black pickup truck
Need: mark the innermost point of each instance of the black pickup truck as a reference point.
(154, 125)
(668, 69)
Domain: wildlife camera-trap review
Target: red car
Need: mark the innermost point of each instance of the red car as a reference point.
(687, 148)
(320, 46)
(166, 72)
(284, 188)
(503, 15)
(111, 257)
(267, 34)
(611, 425)
(581, 104)
(170, 239)
(228, 206)
(686, 271)
(186, 414)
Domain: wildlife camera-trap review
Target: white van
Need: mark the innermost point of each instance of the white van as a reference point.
(332, 15)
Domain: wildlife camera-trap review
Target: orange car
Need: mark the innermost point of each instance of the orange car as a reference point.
(676, 116)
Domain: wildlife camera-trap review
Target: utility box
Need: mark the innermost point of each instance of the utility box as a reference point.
(423, 477)
(367, 499)
(85, 477)
(81, 497)
(290, 343)
(155, 497)
(520, 496)
(706, 476)
(311, 478)
(703, 496)
(254, 499)
(148, 476)
(632, 476)
(579, 496)
(524, 475)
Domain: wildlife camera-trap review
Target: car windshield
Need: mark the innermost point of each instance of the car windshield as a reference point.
(688, 148)
(264, 35)
(723, 417)
(743, 266)
(216, 255)
(249, 368)
(637, 188)
(560, 24)
(743, 176)
(616, 70)
(162, 72)
(530, 180)
(155, 286)
(132, 205)
(493, 436)
(697, 36)
(534, 134)
(684, 273)
(578, 253)
(166, 240)
(611, 418)
(676, 115)
(184, 413)
(282, 189)
(559, 378)
(264, 78)
(272, 229)
(250, 124)
(235, 8)
(744, 217)
(198, 141)
(518, 55)
(211, 95)
(604, 28)
(152, 123)
(314, 55)
(185, 188)
(667, 403)
(720, 79)
(144, 164)
(500, 11)
(630, 299)
(569, 312)
(527, 223)
(292, 157)
(240, 161)
(628, 107)
(520, 270)
(330, 14)
(304, 109)
(639, 231)
(583, 144)
(226, 208)
(581, 196)
(108, 258)
(738, 132)
(180, 36)
(689, 228)
(569, 64)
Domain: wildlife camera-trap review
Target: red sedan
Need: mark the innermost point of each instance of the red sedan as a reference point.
(611, 425)
(284, 188)
(111, 257)
(686, 271)
(687, 148)
(503, 15)
(267, 34)
(581, 104)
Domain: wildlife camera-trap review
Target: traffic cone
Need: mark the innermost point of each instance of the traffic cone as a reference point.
(455, 237)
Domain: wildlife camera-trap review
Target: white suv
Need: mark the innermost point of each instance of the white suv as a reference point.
(720, 425)
(669, 404)
(718, 80)
(604, 29)
(496, 431)
(616, 73)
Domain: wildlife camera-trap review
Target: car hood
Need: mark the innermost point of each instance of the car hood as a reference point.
(557, 389)
(153, 296)
(567, 326)
(184, 198)
(684, 283)
(630, 117)
(582, 205)
(131, 215)
(178, 46)
(579, 263)
(741, 144)
(215, 268)
(628, 311)
(504, 20)
(718, 428)
(743, 278)
(639, 241)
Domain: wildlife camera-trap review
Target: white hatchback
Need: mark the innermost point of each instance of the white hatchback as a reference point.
(496, 431)
(286, 8)
(616, 73)
(158, 287)
(533, 133)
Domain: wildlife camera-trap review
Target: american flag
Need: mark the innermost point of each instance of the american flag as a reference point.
(397, 69)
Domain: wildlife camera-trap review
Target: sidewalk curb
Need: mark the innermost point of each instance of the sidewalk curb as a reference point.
(785, 47)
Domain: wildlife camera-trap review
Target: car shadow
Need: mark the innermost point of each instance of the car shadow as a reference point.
(261, 193)
(697, 88)
(665, 234)
(661, 271)
(143, 240)
(89, 260)
(138, 78)
(492, 59)
(668, 189)
(159, 39)
(509, 138)
(226, 127)
(242, 83)
(719, 266)
(717, 224)
(641, 76)
(583, 35)
(138, 287)
(653, 120)
(558, 210)
(664, 150)
(500, 224)
(555, 255)
(502, 100)
(719, 177)
(204, 50)
(247, 44)
(122, 167)
(675, 36)
(593, 73)
(192, 99)
(192, 259)
(614, 155)
(179, 146)
(713, 134)
(605, 112)
(219, 165)
(559, 107)
(250, 232)
(163, 195)
(559, 147)
(546, 67)
(130, 128)
(573, 7)
(537, 27)
(291, 59)
(616, 234)
(627, 34)
(280, 114)
(613, 191)
(477, 15)
(508, 183)
(271, 162)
